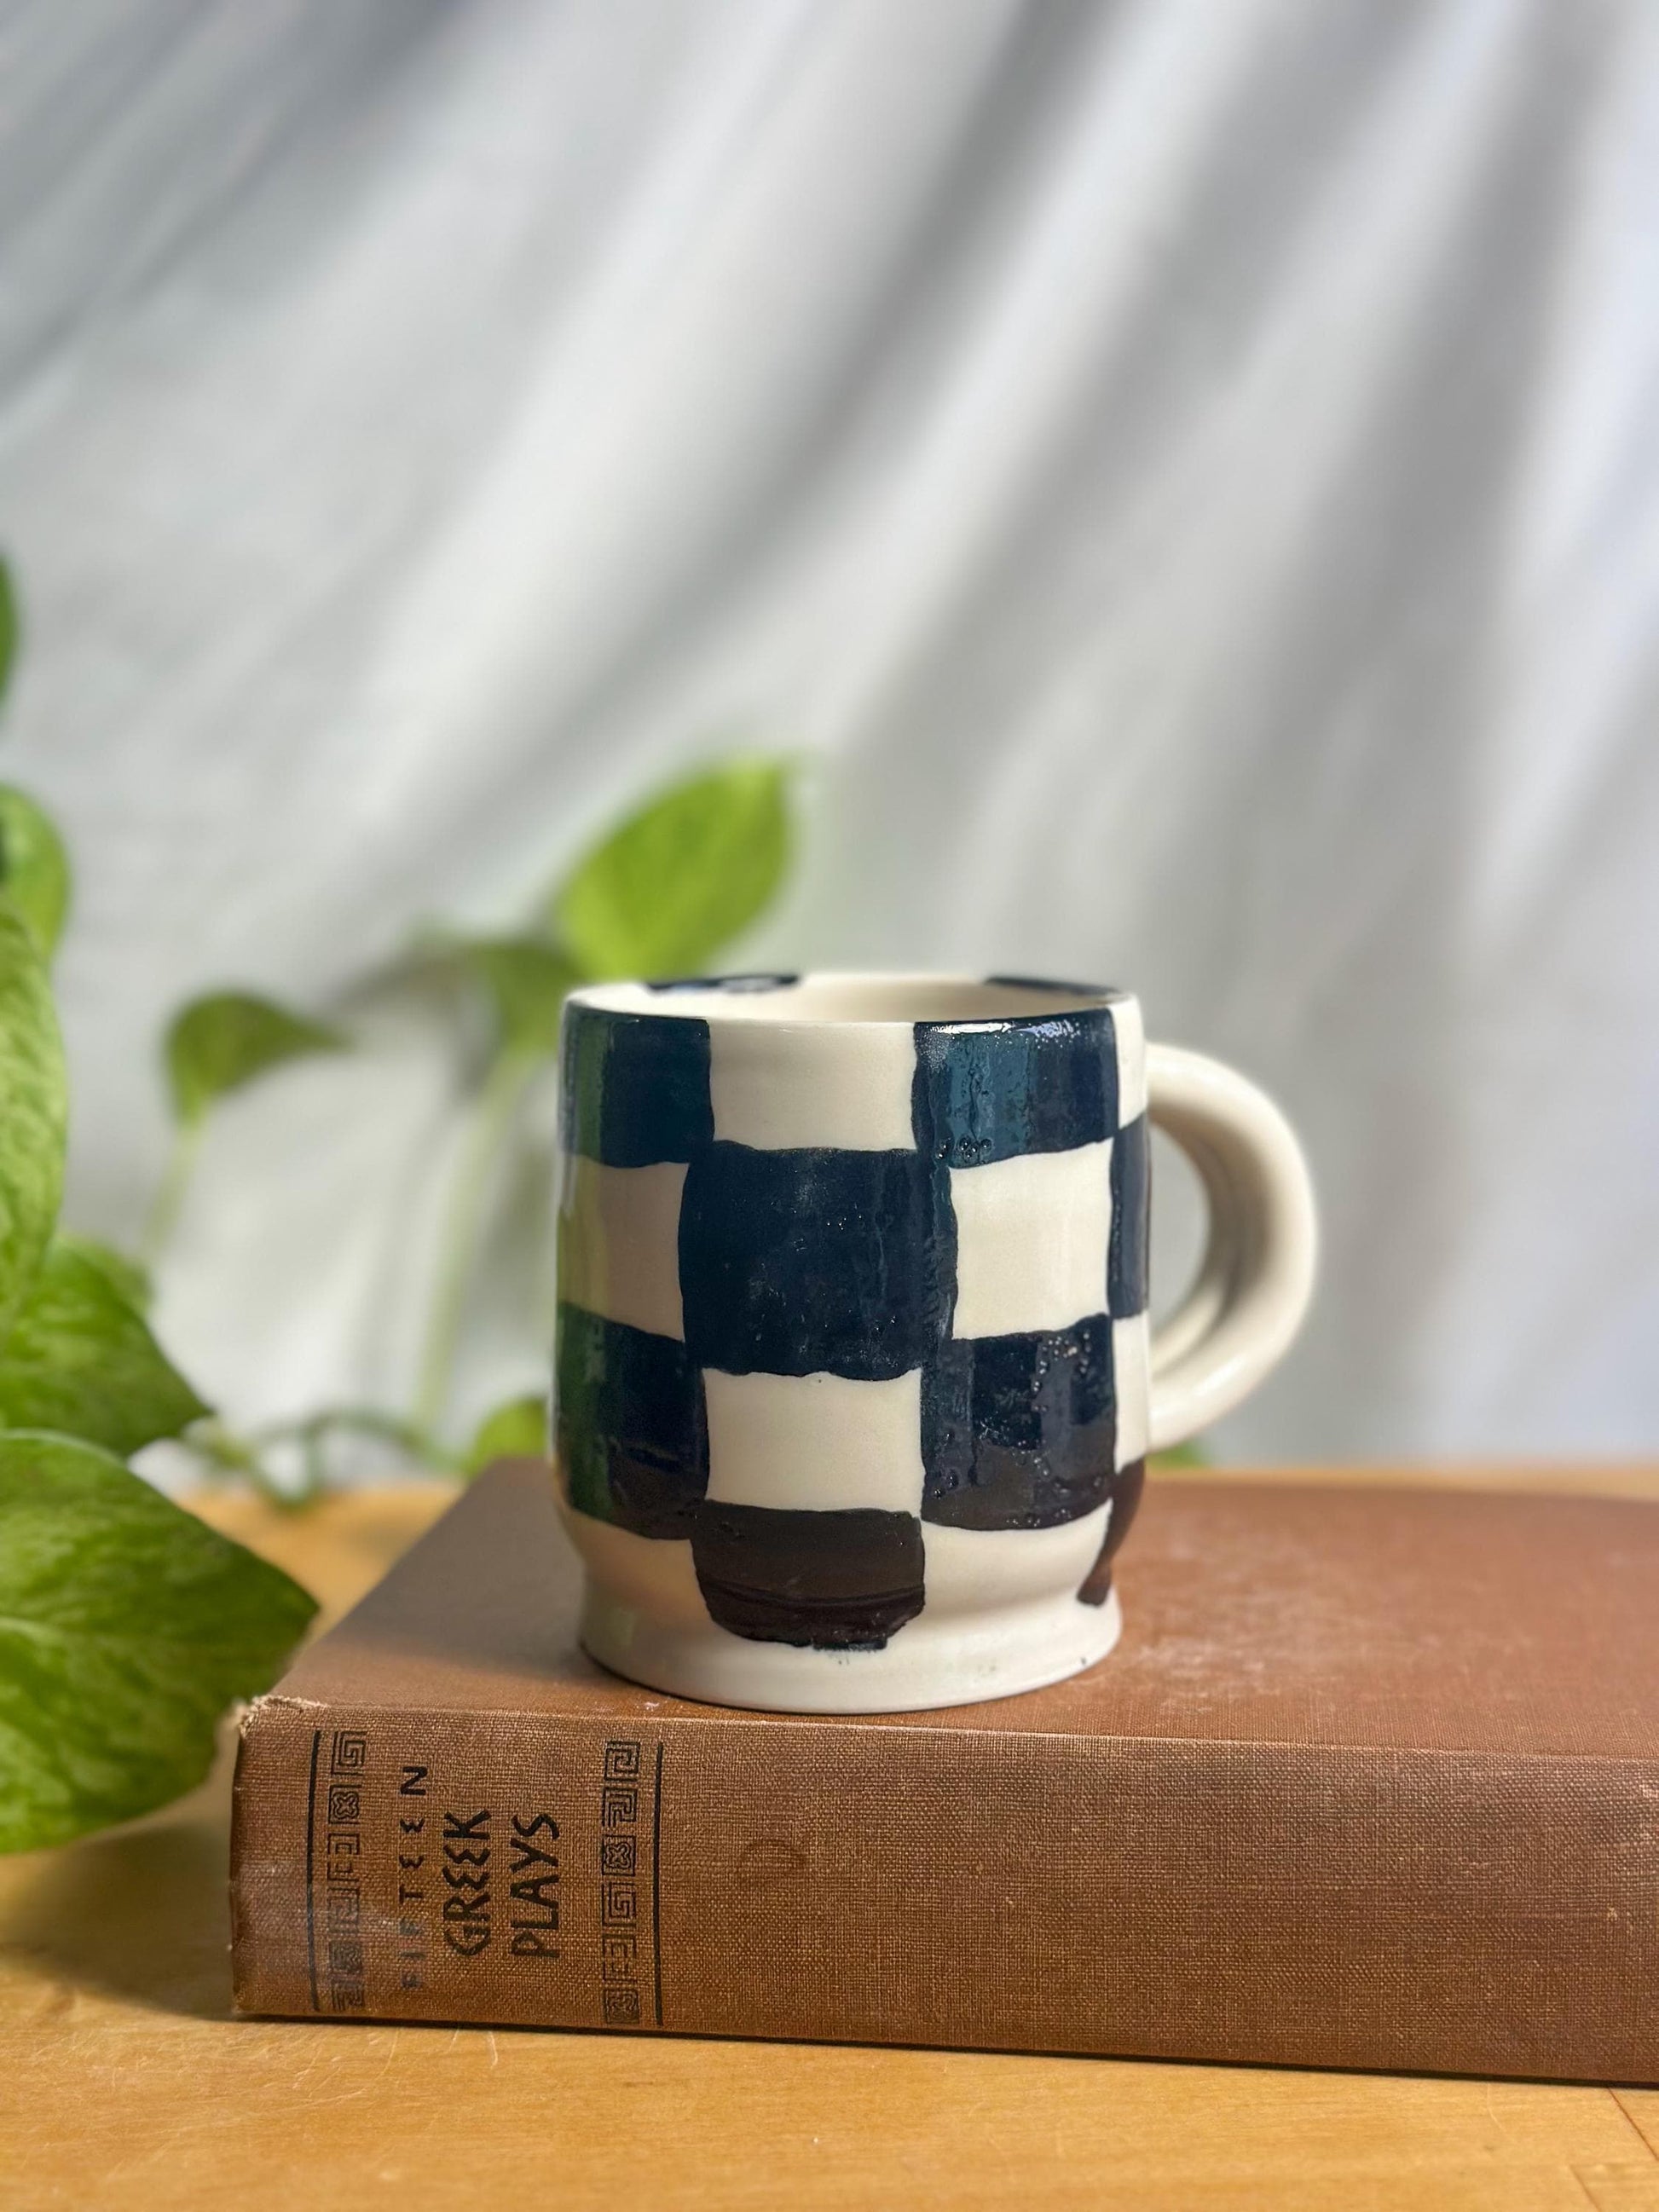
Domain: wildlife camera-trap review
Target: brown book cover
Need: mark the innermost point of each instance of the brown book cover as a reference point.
(1372, 1780)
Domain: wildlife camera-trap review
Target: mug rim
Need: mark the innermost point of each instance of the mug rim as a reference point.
(809, 999)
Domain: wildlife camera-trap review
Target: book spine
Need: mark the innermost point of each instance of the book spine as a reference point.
(711, 1875)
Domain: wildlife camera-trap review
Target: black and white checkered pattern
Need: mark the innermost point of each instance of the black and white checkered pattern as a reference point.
(864, 1339)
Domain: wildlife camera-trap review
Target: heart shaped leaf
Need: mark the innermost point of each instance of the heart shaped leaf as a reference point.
(219, 1043)
(126, 1627)
(81, 1359)
(34, 869)
(526, 979)
(517, 1430)
(681, 878)
(33, 1113)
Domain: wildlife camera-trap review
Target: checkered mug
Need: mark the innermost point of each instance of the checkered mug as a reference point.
(854, 1378)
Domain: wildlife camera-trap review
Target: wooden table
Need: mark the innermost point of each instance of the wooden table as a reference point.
(123, 2082)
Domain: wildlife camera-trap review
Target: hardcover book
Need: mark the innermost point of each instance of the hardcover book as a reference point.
(1372, 1780)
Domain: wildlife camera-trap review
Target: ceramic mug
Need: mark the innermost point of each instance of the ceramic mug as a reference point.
(854, 1382)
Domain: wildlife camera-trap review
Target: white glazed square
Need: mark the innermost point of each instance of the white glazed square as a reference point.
(1131, 1383)
(814, 1442)
(619, 1230)
(1033, 1234)
(974, 1571)
(793, 1088)
(1130, 1034)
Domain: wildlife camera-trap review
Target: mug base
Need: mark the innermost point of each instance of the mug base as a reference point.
(927, 1665)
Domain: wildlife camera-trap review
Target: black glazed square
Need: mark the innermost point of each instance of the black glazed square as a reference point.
(633, 1088)
(835, 1581)
(815, 1262)
(1019, 1431)
(1132, 1184)
(1127, 1484)
(630, 1424)
(1045, 1085)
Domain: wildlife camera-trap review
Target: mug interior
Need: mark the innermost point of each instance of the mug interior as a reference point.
(853, 999)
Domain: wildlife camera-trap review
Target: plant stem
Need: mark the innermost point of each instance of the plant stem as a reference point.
(225, 1454)
(363, 1421)
(492, 1116)
(242, 1457)
(170, 1197)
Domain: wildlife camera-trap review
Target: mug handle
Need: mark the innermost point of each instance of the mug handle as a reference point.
(1254, 1285)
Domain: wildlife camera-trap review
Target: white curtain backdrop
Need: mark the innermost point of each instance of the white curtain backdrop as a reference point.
(1185, 473)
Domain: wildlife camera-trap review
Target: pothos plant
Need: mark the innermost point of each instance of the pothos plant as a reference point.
(126, 1624)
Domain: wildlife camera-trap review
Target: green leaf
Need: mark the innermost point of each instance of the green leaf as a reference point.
(126, 1627)
(33, 1113)
(34, 869)
(526, 979)
(217, 1043)
(517, 1430)
(10, 626)
(81, 1360)
(126, 1276)
(683, 877)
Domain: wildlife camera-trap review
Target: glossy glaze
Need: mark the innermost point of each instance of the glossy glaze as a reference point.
(852, 1341)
